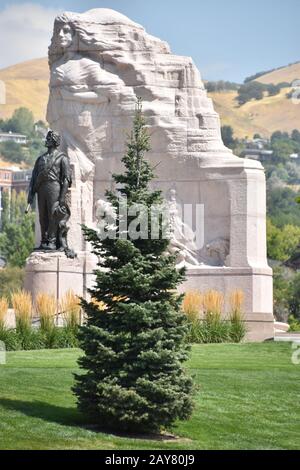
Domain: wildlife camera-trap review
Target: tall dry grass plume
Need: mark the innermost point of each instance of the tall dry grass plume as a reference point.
(213, 302)
(238, 325)
(71, 309)
(45, 306)
(22, 305)
(192, 304)
(236, 301)
(3, 311)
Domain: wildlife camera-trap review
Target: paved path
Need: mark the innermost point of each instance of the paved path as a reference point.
(291, 337)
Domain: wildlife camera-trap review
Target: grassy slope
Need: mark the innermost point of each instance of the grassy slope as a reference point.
(247, 398)
(26, 85)
(264, 117)
(285, 74)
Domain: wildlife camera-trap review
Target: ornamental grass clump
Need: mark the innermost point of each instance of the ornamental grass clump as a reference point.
(3, 312)
(214, 328)
(206, 318)
(70, 308)
(192, 305)
(22, 305)
(237, 321)
(213, 302)
(46, 307)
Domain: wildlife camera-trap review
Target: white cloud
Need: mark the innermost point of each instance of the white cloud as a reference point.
(25, 32)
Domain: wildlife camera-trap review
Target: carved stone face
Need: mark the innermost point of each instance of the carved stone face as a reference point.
(65, 35)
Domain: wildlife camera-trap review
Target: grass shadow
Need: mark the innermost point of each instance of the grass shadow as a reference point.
(70, 416)
(45, 411)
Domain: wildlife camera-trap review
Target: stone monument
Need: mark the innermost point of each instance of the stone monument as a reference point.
(100, 62)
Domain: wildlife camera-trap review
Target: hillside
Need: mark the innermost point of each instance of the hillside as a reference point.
(27, 85)
(284, 74)
(264, 117)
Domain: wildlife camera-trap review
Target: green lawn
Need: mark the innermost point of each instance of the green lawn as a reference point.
(247, 398)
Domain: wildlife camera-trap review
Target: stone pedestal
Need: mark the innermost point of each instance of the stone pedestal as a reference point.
(256, 284)
(55, 274)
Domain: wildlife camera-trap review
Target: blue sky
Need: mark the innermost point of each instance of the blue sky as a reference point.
(228, 39)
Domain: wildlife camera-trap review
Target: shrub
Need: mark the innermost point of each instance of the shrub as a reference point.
(65, 338)
(71, 310)
(37, 339)
(11, 340)
(192, 304)
(46, 307)
(238, 329)
(212, 328)
(213, 302)
(294, 324)
(11, 280)
(3, 312)
(22, 305)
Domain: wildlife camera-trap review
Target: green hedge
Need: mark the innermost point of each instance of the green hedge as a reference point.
(222, 331)
(35, 338)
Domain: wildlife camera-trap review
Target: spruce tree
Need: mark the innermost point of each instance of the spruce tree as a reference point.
(135, 347)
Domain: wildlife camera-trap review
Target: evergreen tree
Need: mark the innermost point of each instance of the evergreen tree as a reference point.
(16, 229)
(135, 343)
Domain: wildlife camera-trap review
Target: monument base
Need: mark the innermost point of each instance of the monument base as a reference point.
(257, 286)
(53, 273)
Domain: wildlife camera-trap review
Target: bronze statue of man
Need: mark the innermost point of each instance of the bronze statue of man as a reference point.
(51, 179)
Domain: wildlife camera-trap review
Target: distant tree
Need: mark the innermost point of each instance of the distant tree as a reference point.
(35, 148)
(256, 75)
(249, 91)
(228, 136)
(273, 90)
(11, 280)
(295, 135)
(282, 207)
(281, 294)
(282, 149)
(17, 241)
(11, 151)
(5, 209)
(257, 136)
(294, 300)
(281, 172)
(13, 207)
(282, 242)
(22, 121)
(17, 229)
(279, 135)
(284, 85)
(293, 171)
(41, 124)
(221, 85)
